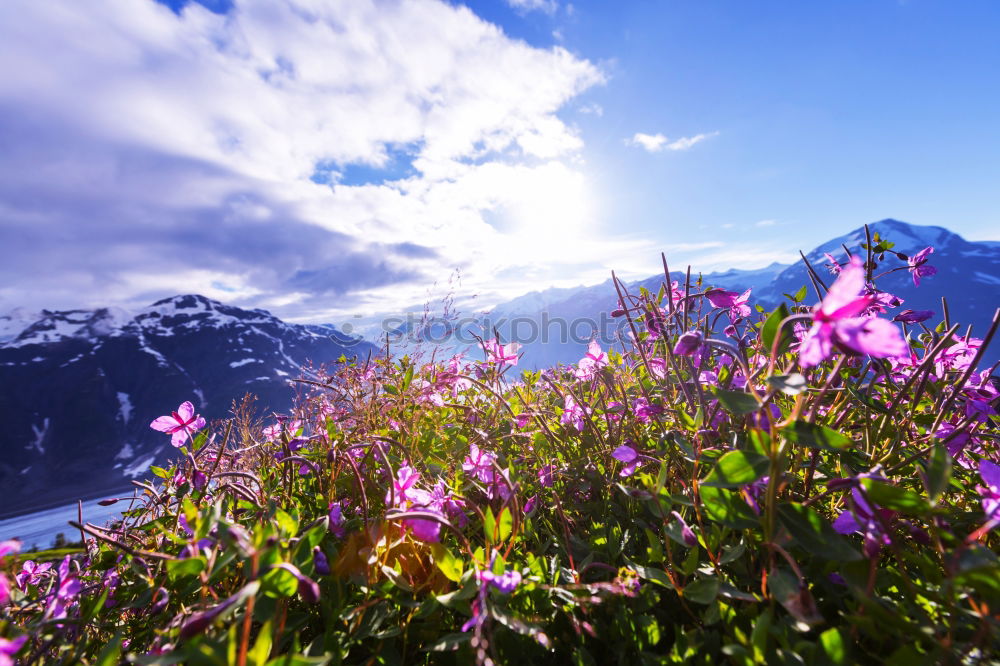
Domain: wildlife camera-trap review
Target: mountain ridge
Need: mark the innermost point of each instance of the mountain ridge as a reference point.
(84, 385)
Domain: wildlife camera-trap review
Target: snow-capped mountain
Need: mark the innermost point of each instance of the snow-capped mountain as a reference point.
(80, 387)
(968, 275)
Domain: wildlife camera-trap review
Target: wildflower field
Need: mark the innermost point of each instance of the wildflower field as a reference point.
(813, 485)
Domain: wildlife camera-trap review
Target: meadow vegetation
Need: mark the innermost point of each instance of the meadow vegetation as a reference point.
(817, 484)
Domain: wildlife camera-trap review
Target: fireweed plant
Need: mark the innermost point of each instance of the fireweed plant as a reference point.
(813, 485)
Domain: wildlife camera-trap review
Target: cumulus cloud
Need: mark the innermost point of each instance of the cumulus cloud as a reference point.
(547, 6)
(149, 152)
(655, 143)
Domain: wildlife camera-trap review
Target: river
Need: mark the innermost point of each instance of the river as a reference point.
(41, 527)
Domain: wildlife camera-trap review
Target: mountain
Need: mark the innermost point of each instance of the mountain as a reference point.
(968, 275)
(81, 386)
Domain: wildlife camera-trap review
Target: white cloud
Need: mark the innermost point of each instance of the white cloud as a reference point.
(765, 223)
(547, 6)
(154, 145)
(655, 143)
(593, 108)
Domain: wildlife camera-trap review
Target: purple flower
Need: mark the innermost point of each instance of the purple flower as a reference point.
(763, 418)
(67, 590)
(832, 265)
(836, 323)
(687, 534)
(645, 412)
(284, 426)
(913, 316)
(573, 414)
(505, 583)
(882, 300)
(545, 475)
(320, 561)
(628, 456)
(689, 343)
(406, 476)
(501, 355)
(593, 360)
(9, 546)
(737, 303)
(957, 441)
(479, 464)
(866, 519)
(30, 574)
(919, 267)
(336, 519)
(989, 472)
(453, 506)
(8, 648)
(752, 492)
(180, 425)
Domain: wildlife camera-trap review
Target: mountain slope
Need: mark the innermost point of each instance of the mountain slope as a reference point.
(80, 387)
(968, 275)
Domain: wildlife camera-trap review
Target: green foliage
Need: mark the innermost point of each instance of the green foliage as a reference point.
(440, 513)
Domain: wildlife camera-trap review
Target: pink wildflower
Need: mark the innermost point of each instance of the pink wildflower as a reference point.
(593, 360)
(180, 425)
(836, 323)
(737, 303)
(501, 355)
(919, 267)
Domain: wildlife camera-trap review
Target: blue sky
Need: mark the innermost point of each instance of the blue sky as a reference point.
(322, 159)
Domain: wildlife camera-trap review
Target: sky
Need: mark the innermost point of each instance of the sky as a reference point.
(330, 158)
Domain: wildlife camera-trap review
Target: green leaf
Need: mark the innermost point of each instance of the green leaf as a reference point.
(159, 471)
(286, 523)
(737, 402)
(834, 647)
(800, 295)
(938, 473)
(653, 575)
(758, 637)
(298, 660)
(895, 497)
(280, 582)
(791, 384)
(191, 566)
(727, 507)
(702, 591)
(811, 531)
(449, 643)
(816, 436)
(506, 523)
(449, 565)
(770, 329)
(490, 525)
(261, 649)
(737, 468)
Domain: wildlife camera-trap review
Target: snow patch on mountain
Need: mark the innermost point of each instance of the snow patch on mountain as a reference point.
(124, 406)
(39, 432)
(139, 467)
